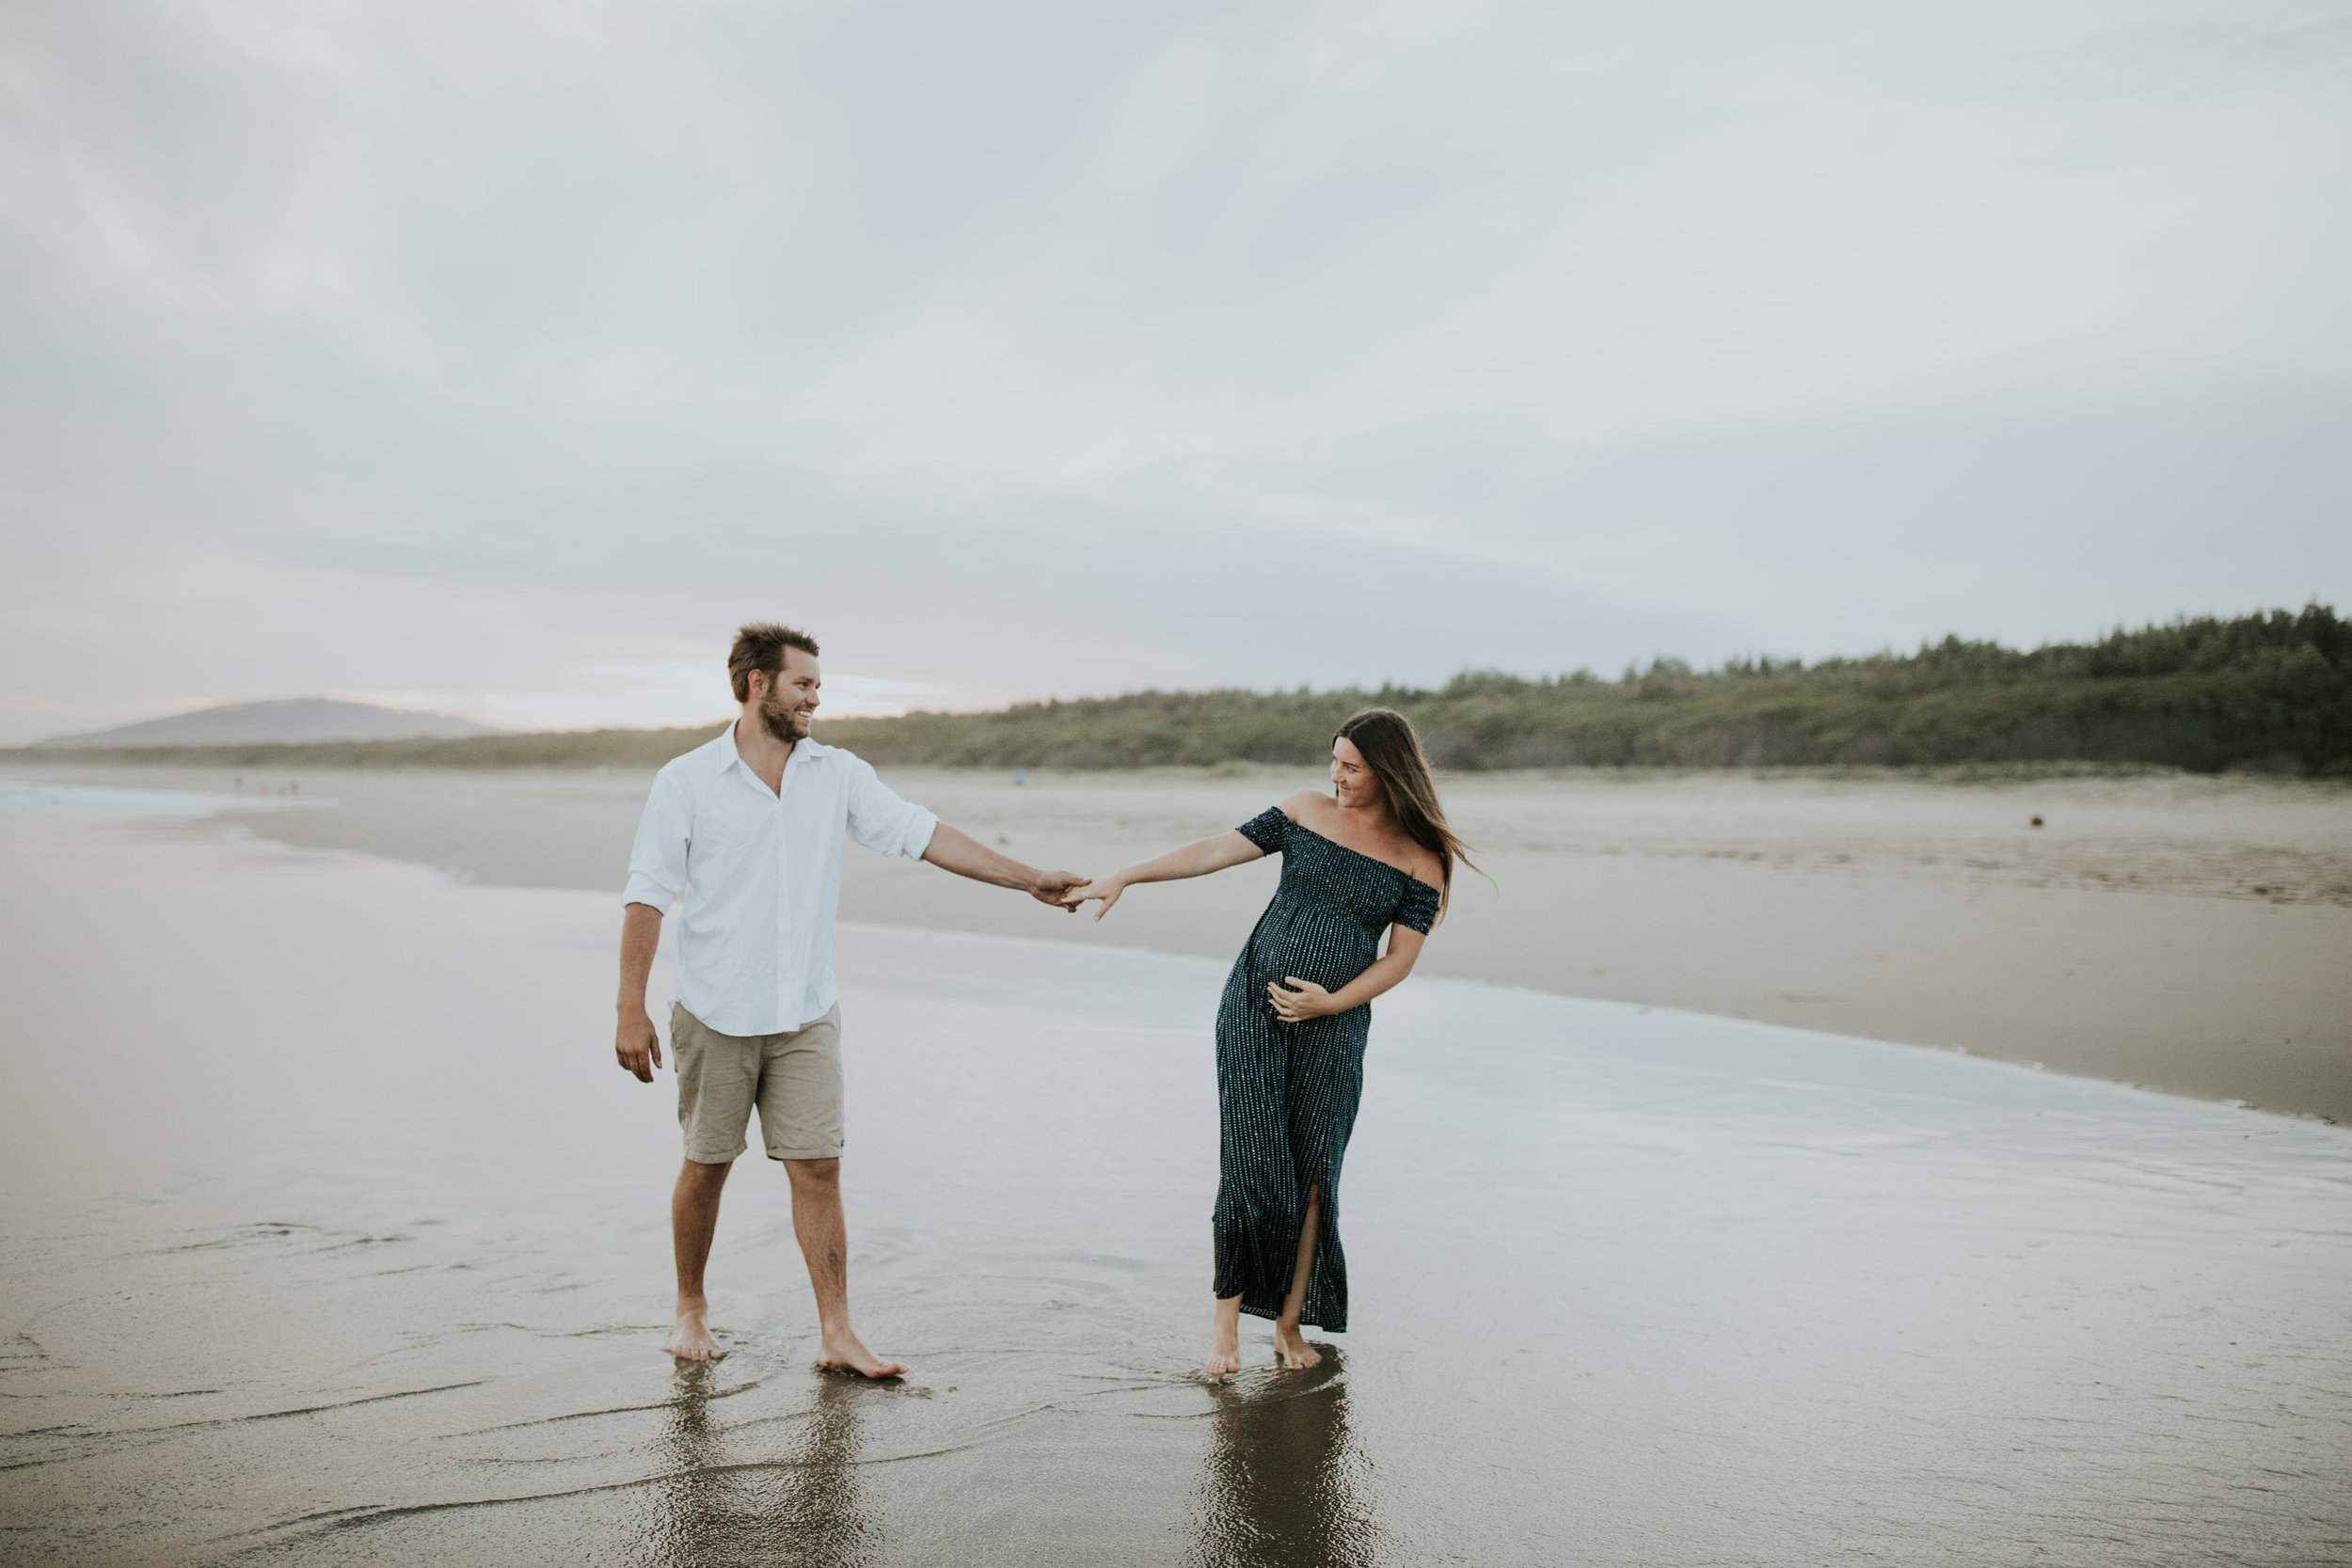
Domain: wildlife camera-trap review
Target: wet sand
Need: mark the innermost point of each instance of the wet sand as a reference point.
(330, 1235)
(2189, 934)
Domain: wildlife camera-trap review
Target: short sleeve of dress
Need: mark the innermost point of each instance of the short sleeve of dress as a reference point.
(1268, 830)
(1417, 908)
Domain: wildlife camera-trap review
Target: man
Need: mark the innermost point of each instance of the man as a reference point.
(750, 829)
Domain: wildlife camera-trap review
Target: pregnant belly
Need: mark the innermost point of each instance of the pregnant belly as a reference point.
(1330, 959)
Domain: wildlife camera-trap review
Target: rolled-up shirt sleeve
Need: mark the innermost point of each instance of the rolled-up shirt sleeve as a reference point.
(657, 862)
(882, 822)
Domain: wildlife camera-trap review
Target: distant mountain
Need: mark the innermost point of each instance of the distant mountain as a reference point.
(287, 720)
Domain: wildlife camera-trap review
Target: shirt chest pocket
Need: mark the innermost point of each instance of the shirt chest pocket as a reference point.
(733, 824)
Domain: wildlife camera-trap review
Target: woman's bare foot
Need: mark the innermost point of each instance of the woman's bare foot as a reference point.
(1224, 1344)
(690, 1338)
(1292, 1349)
(843, 1352)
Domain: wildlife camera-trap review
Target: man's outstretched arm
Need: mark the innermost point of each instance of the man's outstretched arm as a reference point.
(634, 1041)
(952, 849)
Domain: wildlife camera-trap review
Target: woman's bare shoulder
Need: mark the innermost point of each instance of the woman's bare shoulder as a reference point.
(1304, 807)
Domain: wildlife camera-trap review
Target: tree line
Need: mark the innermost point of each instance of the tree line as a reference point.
(2270, 691)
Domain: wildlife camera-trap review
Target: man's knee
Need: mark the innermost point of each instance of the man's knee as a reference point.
(813, 1173)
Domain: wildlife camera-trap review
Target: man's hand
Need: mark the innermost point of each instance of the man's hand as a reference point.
(634, 1042)
(638, 1046)
(1053, 887)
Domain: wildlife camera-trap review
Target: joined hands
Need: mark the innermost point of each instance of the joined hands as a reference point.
(1054, 888)
(1107, 889)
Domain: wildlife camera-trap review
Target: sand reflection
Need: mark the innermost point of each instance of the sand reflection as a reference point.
(733, 1499)
(1285, 1486)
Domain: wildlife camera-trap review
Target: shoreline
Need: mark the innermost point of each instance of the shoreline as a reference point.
(2180, 932)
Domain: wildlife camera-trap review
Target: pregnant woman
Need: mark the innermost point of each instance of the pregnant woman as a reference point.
(1375, 855)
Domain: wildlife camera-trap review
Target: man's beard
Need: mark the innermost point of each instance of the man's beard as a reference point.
(777, 721)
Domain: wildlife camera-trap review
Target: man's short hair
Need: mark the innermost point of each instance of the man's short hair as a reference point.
(761, 646)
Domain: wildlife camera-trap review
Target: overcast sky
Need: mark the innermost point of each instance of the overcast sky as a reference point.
(500, 359)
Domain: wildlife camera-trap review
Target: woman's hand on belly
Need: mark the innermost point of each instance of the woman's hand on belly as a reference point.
(1295, 1000)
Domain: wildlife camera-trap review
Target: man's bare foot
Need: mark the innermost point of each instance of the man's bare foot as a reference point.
(843, 1352)
(1292, 1349)
(690, 1339)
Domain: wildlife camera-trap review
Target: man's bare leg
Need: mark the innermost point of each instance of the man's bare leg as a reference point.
(824, 1237)
(693, 1220)
(1289, 1348)
(1225, 1339)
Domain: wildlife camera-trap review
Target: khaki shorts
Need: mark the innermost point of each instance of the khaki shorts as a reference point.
(794, 1078)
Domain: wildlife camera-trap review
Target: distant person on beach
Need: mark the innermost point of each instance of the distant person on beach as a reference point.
(1373, 855)
(750, 829)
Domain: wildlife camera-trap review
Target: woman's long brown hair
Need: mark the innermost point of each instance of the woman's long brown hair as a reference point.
(1392, 751)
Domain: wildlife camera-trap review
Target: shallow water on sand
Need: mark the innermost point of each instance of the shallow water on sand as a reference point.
(331, 1234)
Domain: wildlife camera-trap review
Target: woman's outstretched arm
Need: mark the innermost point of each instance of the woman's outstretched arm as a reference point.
(1197, 858)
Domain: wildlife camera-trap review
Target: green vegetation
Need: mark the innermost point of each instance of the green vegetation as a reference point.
(2272, 692)
(2269, 691)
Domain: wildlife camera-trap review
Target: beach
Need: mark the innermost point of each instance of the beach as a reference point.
(331, 1235)
(1842, 508)
(2191, 934)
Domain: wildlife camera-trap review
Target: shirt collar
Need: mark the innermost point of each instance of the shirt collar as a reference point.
(804, 752)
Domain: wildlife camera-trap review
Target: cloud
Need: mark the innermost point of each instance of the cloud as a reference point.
(1043, 349)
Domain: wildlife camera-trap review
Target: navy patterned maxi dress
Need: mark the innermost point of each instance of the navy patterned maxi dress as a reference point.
(1287, 1092)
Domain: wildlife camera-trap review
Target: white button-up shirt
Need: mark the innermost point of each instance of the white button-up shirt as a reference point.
(761, 874)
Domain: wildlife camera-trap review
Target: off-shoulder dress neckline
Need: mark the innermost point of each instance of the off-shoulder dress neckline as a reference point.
(1357, 854)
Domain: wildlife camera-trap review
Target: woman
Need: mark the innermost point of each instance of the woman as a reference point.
(1376, 854)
